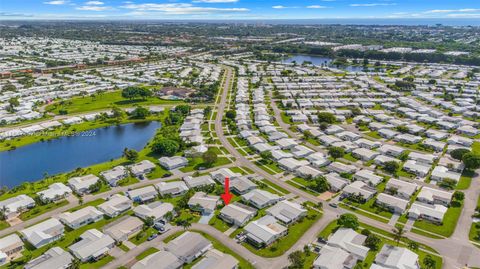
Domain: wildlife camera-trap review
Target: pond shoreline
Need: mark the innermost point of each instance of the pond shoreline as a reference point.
(66, 153)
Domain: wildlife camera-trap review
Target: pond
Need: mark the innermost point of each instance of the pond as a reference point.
(32, 162)
(326, 61)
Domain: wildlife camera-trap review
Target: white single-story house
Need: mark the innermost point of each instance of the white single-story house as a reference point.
(188, 246)
(396, 258)
(81, 217)
(237, 214)
(81, 185)
(203, 202)
(287, 212)
(55, 256)
(434, 213)
(55, 192)
(392, 203)
(173, 188)
(175, 162)
(198, 182)
(400, 188)
(114, 175)
(156, 210)
(260, 198)
(264, 231)
(336, 182)
(142, 195)
(16, 205)
(142, 168)
(115, 205)
(368, 176)
(124, 228)
(434, 196)
(92, 246)
(43, 233)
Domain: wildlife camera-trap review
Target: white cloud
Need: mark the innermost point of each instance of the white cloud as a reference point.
(215, 1)
(94, 3)
(180, 8)
(279, 7)
(56, 2)
(372, 4)
(93, 8)
(316, 6)
(464, 15)
(451, 10)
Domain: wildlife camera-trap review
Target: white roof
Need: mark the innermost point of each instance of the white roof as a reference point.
(56, 189)
(44, 230)
(264, 229)
(116, 203)
(350, 241)
(14, 203)
(93, 244)
(155, 209)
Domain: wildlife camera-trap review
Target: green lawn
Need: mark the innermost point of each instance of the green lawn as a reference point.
(244, 264)
(272, 187)
(146, 253)
(295, 231)
(4, 225)
(361, 212)
(449, 221)
(41, 209)
(374, 134)
(474, 233)
(104, 101)
(273, 168)
(95, 202)
(218, 223)
(349, 157)
(98, 264)
(124, 248)
(197, 163)
(142, 236)
(465, 180)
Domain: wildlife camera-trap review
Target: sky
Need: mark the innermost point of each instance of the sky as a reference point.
(238, 9)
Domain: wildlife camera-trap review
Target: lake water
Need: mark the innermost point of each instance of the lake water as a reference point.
(325, 61)
(29, 163)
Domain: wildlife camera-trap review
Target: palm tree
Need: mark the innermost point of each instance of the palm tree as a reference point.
(186, 224)
(398, 233)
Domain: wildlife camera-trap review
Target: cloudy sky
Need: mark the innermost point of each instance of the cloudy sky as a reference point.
(238, 9)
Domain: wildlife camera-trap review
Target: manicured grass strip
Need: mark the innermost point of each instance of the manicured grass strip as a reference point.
(276, 187)
(465, 180)
(362, 212)
(98, 264)
(96, 202)
(146, 253)
(41, 209)
(142, 236)
(123, 247)
(218, 224)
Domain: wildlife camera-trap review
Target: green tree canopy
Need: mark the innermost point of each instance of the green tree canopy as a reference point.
(165, 147)
(348, 221)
